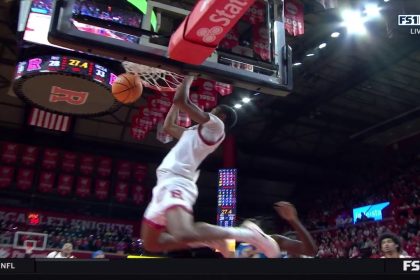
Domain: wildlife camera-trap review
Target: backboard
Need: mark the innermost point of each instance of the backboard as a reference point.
(254, 55)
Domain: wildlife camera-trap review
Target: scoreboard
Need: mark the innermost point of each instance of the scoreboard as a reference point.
(226, 197)
(66, 64)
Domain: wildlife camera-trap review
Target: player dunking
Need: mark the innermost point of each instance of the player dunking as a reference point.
(168, 223)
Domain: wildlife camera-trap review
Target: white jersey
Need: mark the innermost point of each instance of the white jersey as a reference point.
(400, 257)
(195, 144)
(57, 255)
(178, 171)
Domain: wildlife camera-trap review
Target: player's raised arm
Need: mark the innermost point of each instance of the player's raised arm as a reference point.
(184, 103)
(305, 245)
(170, 126)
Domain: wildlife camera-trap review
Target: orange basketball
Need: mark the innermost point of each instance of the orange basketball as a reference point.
(127, 88)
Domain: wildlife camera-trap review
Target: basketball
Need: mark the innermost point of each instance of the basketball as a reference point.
(127, 88)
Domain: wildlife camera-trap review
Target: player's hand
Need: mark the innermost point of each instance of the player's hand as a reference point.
(286, 210)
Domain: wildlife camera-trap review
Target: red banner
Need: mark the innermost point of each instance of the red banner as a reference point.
(207, 94)
(104, 166)
(20, 216)
(87, 163)
(46, 181)
(83, 186)
(163, 104)
(137, 193)
(10, 152)
(50, 159)
(142, 119)
(65, 184)
(101, 189)
(261, 42)
(138, 133)
(124, 170)
(49, 120)
(293, 14)
(25, 179)
(29, 155)
(256, 14)
(69, 162)
(6, 176)
(223, 89)
(139, 172)
(121, 192)
(194, 98)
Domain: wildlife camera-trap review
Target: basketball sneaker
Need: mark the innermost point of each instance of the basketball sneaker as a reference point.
(263, 242)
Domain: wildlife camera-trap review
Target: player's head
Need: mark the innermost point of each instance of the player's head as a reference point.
(67, 250)
(389, 243)
(226, 114)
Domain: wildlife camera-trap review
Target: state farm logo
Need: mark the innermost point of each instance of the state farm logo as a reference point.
(209, 34)
(223, 17)
(291, 8)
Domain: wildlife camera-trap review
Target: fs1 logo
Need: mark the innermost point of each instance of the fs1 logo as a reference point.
(411, 265)
(408, 19)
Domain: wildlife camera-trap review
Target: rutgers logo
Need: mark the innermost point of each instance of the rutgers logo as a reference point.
(72, 97)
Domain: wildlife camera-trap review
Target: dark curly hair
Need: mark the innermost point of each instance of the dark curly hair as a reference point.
(391, 236)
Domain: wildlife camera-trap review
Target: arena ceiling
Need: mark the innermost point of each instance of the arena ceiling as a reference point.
(348, 103)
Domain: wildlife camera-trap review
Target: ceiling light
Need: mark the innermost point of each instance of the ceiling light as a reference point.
(323, 45)
(335, 34)
(372, 11)
(237, 106)
(297, 63)
(246, 99)
(310, 54)
(354, 22)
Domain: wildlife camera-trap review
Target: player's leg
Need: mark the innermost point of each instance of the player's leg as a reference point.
(156, 239)
(181, 225)
(154, 226)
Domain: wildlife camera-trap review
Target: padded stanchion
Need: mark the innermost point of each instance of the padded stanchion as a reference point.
(203, 29)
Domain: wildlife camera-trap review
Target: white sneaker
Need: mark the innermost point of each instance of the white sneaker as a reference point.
(263, 242)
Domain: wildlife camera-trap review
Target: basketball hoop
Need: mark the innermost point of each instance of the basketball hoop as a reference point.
(154, 78)
(29, 246)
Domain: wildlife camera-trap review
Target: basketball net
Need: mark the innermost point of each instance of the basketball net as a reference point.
(167, 81)
(154, 78)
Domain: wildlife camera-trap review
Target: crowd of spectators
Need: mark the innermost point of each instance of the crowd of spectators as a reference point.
(339, 237)
(98, 10)
(85, 239)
